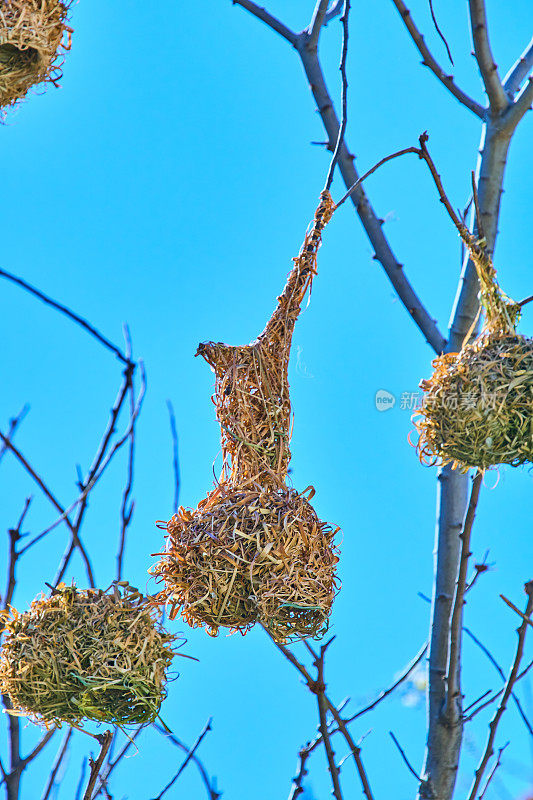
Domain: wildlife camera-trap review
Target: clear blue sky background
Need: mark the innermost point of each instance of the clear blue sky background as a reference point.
(168, 184)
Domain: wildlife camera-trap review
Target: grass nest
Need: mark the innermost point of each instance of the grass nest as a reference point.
(33, 35)
(478, 405)
(477, 409)
(254, 550)
(85, 654)
(246, 556)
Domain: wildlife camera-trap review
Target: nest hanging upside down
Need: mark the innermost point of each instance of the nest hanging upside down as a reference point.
(32, 33)
(250, 555)
(85, 654)
(477, 409)
(254, 550)
(478, 405)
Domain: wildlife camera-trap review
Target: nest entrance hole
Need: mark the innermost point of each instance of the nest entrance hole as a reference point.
(15, 58)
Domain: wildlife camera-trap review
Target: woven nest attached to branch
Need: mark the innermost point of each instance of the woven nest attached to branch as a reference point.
(254, 550)
(85, 654)
(477, 409)
(246, 556)
(32, 34)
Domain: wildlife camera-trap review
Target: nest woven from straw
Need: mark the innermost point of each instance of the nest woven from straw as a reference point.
(85, 654)
(246, 556)
(254, 550)
(478, 405)
(32, 34)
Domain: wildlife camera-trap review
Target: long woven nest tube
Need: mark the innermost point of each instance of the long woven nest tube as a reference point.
(33, 37)
(477, 409)
(85, 654)
(254, 549)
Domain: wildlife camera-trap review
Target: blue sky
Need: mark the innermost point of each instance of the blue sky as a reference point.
(168, 184)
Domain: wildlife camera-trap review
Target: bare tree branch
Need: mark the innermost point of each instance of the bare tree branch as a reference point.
(404, 757)
(519, 71)
(516, 111)
(429, 61)
(320, 692)
(493, 727)
(493, 771)
(344, 97)
(14, 536)
(213, 794)
(485, 60)
(268, 19)
(317, 21)
(14, 422)
(175, 454)
(104, 739)
(453, 676)
(57, 764)
(67, 312)
(188, 758)
(370, 221)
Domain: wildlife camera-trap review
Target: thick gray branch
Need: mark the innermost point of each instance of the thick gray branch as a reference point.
(519, 71)
(429, 61)
(318, 19)
(485, 60)
(444, 740)
(370, 221)
(514, 114)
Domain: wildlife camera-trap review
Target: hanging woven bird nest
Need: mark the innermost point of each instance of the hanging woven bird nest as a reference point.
(477, 409)
(32, 34)
(246, 556)
(85, 654)
(254, 550)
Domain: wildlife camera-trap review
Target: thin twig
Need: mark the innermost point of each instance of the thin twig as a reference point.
(175, 455)
(493, 770)
(104, 740)
(453, 677)
(436, 24)
(429, 61)
(14, 422)
(210, 788)
(344, 97)
(320, 692)
(268, 19)
(402, 753)
(493, 726)
(57, 764)
(127, 508)
(188, 758)
(386, 692)
(68, 313)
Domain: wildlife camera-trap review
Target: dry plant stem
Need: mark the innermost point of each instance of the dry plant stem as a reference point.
(511, 680)
(452, 710)
(188, 758)
(104, 739)
(68, 313)
(429, 61)
(210, 789)
(372, 224)
(57, 764)
(485, 60)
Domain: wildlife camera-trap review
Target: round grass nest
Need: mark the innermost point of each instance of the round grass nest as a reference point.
(85, 654)
(245, 556)
(33, 35)
(477, 409)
